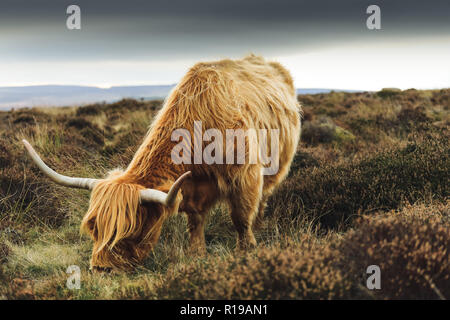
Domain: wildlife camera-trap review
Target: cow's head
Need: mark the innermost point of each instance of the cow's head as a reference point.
(124, 218)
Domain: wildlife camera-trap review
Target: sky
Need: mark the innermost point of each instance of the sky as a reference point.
(324, 43)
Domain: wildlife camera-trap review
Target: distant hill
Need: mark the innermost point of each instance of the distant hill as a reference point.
(55, 95)
(319, 90)
(62, 95)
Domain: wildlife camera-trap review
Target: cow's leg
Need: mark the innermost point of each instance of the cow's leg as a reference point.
(198, 199)
(270, 182)
(244, 203)
(260, 214)
(196, 224)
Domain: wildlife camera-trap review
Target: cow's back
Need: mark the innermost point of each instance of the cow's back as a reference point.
(246, 93)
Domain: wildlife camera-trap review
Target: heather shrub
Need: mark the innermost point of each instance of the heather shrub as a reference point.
(307, 114)
(324, 131)
(336, 193)
(302, 160)
(90, 110)
(125, 106)
(5, 155)
(270, 273)
(313, 133)
(411, 247)
(90, 132)
(388, 92)
(4, 252)
(29, 117)
(412, 116)
(442, 97)
(24, 119)
(79, 123)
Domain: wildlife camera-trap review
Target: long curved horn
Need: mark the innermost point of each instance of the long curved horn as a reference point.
(167, 199)
(82, 183)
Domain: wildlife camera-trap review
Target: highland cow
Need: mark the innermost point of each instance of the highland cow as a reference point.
(127, 208)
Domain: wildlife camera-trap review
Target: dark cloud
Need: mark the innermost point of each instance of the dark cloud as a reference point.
(133, 29)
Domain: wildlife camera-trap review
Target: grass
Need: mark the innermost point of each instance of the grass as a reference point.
(368, 185)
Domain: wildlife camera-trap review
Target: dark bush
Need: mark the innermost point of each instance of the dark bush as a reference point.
(91, 133)
(90, 110)
(307, 100)
(291, 273)
(79, 123)
(412, 116)
(410, 247)
(324, 131)
(24, 119)
(4, 252)
(302, 160)
(29, 117)
(5, 156)
(389, 93)
(387, 180)
(131, 139)
(307, 114)
(442, 97)
(314, 133)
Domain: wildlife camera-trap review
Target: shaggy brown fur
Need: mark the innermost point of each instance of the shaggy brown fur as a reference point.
(226, 94)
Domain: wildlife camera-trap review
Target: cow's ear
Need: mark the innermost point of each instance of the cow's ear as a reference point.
(92, 229)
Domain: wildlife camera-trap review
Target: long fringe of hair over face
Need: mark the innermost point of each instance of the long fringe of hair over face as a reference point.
(118, 224)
